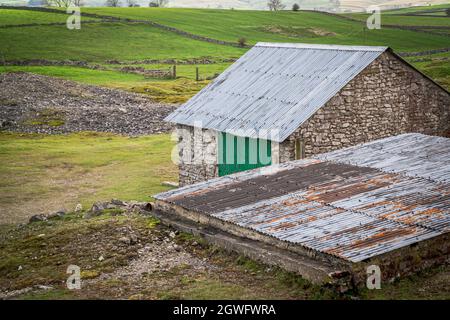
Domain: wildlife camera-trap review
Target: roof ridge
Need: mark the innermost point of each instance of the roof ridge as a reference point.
(320, 46)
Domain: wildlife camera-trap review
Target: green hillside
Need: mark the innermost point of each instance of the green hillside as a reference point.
(134, 41)
(134, 38)
(404, 20)
(414, 16)
(286, 26)
(420, 9)
(17, 17)
(101, 42)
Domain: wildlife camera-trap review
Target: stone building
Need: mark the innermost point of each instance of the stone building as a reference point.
(281, 102)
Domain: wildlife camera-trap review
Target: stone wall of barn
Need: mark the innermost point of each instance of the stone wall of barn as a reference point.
(197, 150)
(387, 98)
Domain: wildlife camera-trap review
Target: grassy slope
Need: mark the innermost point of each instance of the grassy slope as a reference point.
(61, 240)
(101, 42)
(406, 20)
(418, 9)
(395, 17)
(14, 17)
(232, 24)
(43, 173)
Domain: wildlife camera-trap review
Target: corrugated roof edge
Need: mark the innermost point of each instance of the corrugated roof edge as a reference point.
(320, 46)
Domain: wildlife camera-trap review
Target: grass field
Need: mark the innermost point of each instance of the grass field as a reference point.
(311, 27)
(44, 173)
(391, 19)
(125, 41)
(15, 17)
(101, 42)
(418, 9)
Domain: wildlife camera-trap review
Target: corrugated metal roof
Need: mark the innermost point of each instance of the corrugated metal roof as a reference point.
(274, 87)
(415, 155)
(353, 212)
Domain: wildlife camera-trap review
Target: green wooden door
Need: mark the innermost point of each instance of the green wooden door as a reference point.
(239, 154)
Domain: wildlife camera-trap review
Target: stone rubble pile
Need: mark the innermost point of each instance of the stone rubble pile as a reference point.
(39, 104)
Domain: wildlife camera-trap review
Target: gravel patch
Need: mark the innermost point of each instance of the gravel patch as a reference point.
(162, 254)
(33, 103)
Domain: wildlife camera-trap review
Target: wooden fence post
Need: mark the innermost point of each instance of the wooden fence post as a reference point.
(197, 78)
(174, 72)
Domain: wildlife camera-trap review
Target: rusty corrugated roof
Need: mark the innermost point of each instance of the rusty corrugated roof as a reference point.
(392, 199)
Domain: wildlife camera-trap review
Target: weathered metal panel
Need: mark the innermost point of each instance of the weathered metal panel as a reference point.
(394, 198)
(274, 88)
(216, 198)
(225, 181)
(411, 154)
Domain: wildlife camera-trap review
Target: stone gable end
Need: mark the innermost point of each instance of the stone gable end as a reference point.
(387, 98)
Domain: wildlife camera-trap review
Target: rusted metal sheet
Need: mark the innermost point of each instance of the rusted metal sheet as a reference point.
(216, 198)
(353, 212)
(274, 88)
(346, 234)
